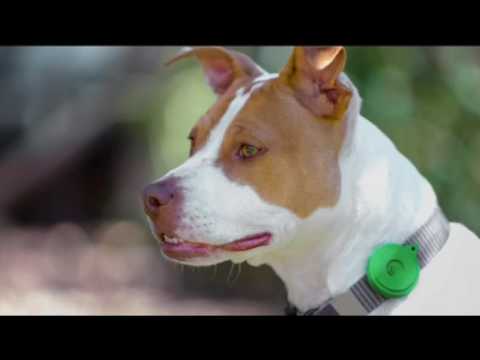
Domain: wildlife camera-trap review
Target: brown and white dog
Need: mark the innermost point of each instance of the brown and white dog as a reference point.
(285, 171)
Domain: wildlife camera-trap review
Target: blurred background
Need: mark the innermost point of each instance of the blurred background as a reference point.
(83, 129)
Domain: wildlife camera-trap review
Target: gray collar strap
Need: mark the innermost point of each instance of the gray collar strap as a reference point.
(361, 299)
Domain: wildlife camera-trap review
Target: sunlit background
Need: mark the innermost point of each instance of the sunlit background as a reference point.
(83, 129)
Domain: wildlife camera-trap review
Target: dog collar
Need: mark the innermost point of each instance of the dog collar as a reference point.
(392, 272)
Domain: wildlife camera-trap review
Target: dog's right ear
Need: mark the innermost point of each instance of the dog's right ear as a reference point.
(312, 73)
(222, 67)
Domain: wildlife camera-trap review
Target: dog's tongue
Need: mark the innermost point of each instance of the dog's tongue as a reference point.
(187, 250)
(248, 243)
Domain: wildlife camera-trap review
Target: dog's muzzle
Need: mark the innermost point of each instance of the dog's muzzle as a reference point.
(163, 203)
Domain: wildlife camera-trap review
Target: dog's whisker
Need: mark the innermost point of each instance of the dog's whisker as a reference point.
(214, 272)
(230, 274)
(239, 267)
(230, 280)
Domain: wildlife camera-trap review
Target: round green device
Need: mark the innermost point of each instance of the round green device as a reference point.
(393, 270)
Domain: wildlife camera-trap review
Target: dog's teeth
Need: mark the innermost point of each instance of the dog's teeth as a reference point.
(171, 240)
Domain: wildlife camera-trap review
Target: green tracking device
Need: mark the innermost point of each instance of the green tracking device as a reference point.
(393, 270)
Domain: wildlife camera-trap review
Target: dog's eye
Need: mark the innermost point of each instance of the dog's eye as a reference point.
(247, 151)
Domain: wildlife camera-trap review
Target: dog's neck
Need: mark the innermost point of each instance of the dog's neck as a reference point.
(383, 199)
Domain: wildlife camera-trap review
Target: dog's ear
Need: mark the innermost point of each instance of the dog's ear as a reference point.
(221, 66)
(312, 73)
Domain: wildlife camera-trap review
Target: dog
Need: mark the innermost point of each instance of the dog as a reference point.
(285, 171)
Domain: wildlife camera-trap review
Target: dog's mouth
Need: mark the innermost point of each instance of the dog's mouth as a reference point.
(179, 249)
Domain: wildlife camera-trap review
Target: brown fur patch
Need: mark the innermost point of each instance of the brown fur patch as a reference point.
(299, 169)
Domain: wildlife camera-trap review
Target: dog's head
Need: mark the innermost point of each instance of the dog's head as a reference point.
(263, 158)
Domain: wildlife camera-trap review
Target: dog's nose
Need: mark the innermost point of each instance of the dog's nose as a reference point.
(159, 194)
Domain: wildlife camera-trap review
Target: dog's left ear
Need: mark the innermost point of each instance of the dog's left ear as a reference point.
(312, 73)
(221, 66)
